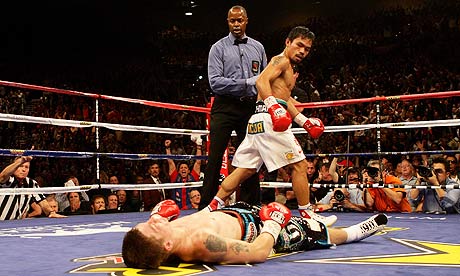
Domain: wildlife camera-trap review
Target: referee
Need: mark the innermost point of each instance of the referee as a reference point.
(17, 206)
(234, 63)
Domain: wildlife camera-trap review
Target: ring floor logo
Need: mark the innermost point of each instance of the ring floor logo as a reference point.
(113, 265)
(37, 232)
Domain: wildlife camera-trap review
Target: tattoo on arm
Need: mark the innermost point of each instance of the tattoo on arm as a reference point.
(238, 247)
(277, 60)
(215, 244)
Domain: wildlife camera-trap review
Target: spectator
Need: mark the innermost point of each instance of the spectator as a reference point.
(324, 177)
(17, 206)
(97, 204)
(152, 197)
(112, 202)
(127, 203)
(183, 175)
(113, 179)
(340, 175)
(53, 203)
(383, 199)
(195, 198)
(62, 198)
(453, 167)
(345, 199)
(436, 200)
(77, 206)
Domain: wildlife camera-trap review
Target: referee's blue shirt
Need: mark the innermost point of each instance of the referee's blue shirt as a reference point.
(230, 65)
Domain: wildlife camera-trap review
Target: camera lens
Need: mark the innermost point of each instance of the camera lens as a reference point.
(338, 195)
(372, 172)
(424, 171)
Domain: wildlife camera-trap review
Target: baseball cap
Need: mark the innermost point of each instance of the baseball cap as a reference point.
(344, 163)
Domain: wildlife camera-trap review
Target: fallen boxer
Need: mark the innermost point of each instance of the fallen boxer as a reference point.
(237, 234)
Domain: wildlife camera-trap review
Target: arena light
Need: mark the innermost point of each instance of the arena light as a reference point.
(188, 6)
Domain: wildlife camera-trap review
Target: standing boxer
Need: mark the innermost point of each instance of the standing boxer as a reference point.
(269, 138)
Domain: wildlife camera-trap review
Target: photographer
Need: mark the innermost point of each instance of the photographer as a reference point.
(344, 199)
(437, 201)
(384, 199)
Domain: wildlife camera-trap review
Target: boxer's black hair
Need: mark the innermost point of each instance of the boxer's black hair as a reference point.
(301, 31)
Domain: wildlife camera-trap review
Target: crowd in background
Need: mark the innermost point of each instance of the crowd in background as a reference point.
(389, 52)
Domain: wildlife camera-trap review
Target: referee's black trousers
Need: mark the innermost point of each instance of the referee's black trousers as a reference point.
(228, 114)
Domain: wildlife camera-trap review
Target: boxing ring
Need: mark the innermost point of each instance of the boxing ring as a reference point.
(412, 243)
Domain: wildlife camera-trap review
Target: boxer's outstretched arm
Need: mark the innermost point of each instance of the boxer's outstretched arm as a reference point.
(217, 249)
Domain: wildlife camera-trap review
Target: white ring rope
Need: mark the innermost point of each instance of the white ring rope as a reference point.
(419, 124)
(376, 185)
(263, 184)
(81, 124)
(52, 190)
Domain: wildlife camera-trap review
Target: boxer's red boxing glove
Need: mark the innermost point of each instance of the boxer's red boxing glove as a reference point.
(167, 209)
(277, 212)
(275, 216)
(281, 119)
(313, 126)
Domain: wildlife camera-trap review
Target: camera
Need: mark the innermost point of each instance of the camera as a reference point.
(372, 172)
(338, 195)
(424, 171)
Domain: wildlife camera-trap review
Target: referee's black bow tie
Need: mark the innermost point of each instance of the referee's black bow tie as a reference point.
(241, 41)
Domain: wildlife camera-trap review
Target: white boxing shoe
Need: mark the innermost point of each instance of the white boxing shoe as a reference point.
(310, 214)
(373, 225)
